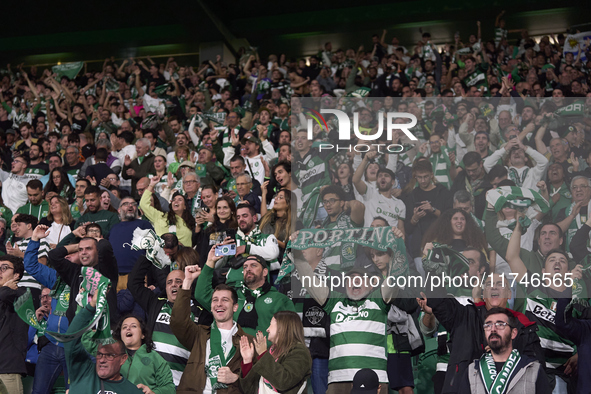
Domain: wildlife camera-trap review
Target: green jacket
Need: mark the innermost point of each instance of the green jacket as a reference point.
(149, 369)
(82, 370)
(533, 261)
(265, 305)
(287, 374)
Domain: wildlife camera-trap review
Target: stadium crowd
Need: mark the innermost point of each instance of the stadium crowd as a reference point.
(148, 212)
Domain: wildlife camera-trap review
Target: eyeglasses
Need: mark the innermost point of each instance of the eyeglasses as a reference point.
(108, 356)
(19, 161)
(191, 181)
(45, 296)
(5, 267)
(330, 201)
(582, 187)
(243, 184)
(500, 325)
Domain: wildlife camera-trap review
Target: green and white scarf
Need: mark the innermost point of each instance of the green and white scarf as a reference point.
(378, 238)
(443, 259)
(217, 357)
(522, 199)
(61, 292)
(93, 281)
(514, 176)
(494, 382)
(149, 241)
(576, 224)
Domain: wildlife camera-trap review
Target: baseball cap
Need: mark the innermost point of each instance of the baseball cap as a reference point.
(259, 260)
(365, 381)
(251, 138)
(187, 163)
(10, 131)
(387, 171)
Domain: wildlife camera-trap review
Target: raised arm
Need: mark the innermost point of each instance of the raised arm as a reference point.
(357, 181)
(186, 331)
(513, 250)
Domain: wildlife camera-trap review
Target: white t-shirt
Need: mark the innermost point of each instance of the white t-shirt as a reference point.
(255, 168)
(377, 204)
(57, 232)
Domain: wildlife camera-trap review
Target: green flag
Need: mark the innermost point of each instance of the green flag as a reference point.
(379, 238)
(69, 70)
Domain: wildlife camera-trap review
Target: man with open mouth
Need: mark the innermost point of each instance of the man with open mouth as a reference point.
(503, 369)
(215, 359)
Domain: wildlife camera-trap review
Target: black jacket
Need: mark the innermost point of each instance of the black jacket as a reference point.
(464, 323)
(441, 200)
(13, 333)
(151, 303)
(72, 274)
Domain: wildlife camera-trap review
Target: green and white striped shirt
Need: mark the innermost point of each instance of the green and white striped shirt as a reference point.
(357, 336)
(541, 308)
(28, 280)
(168, 346)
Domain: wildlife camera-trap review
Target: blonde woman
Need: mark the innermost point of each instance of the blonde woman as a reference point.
(59, 220)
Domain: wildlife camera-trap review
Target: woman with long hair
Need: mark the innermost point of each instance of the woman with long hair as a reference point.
(285, 367)
(60, 184)
(177, 220)
(185, 257)
(277, 220)
(161, 173)
(149, 371)
(457, 229)
(224, 219)
(59, 220)
(106, 202)
(209, 197)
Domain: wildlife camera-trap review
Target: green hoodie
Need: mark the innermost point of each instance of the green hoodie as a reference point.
(149, 369)
(82, 370)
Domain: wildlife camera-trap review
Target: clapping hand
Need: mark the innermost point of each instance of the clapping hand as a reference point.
(260, 343)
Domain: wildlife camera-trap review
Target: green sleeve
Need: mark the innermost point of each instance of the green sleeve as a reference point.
(493, 235)
(288, 372)
(163, 376)
(67, 240)
(287, 305)
(203, 289)
(350, 86)
(500, 243)
(7, 107)
(78, 361)
(218, 152)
